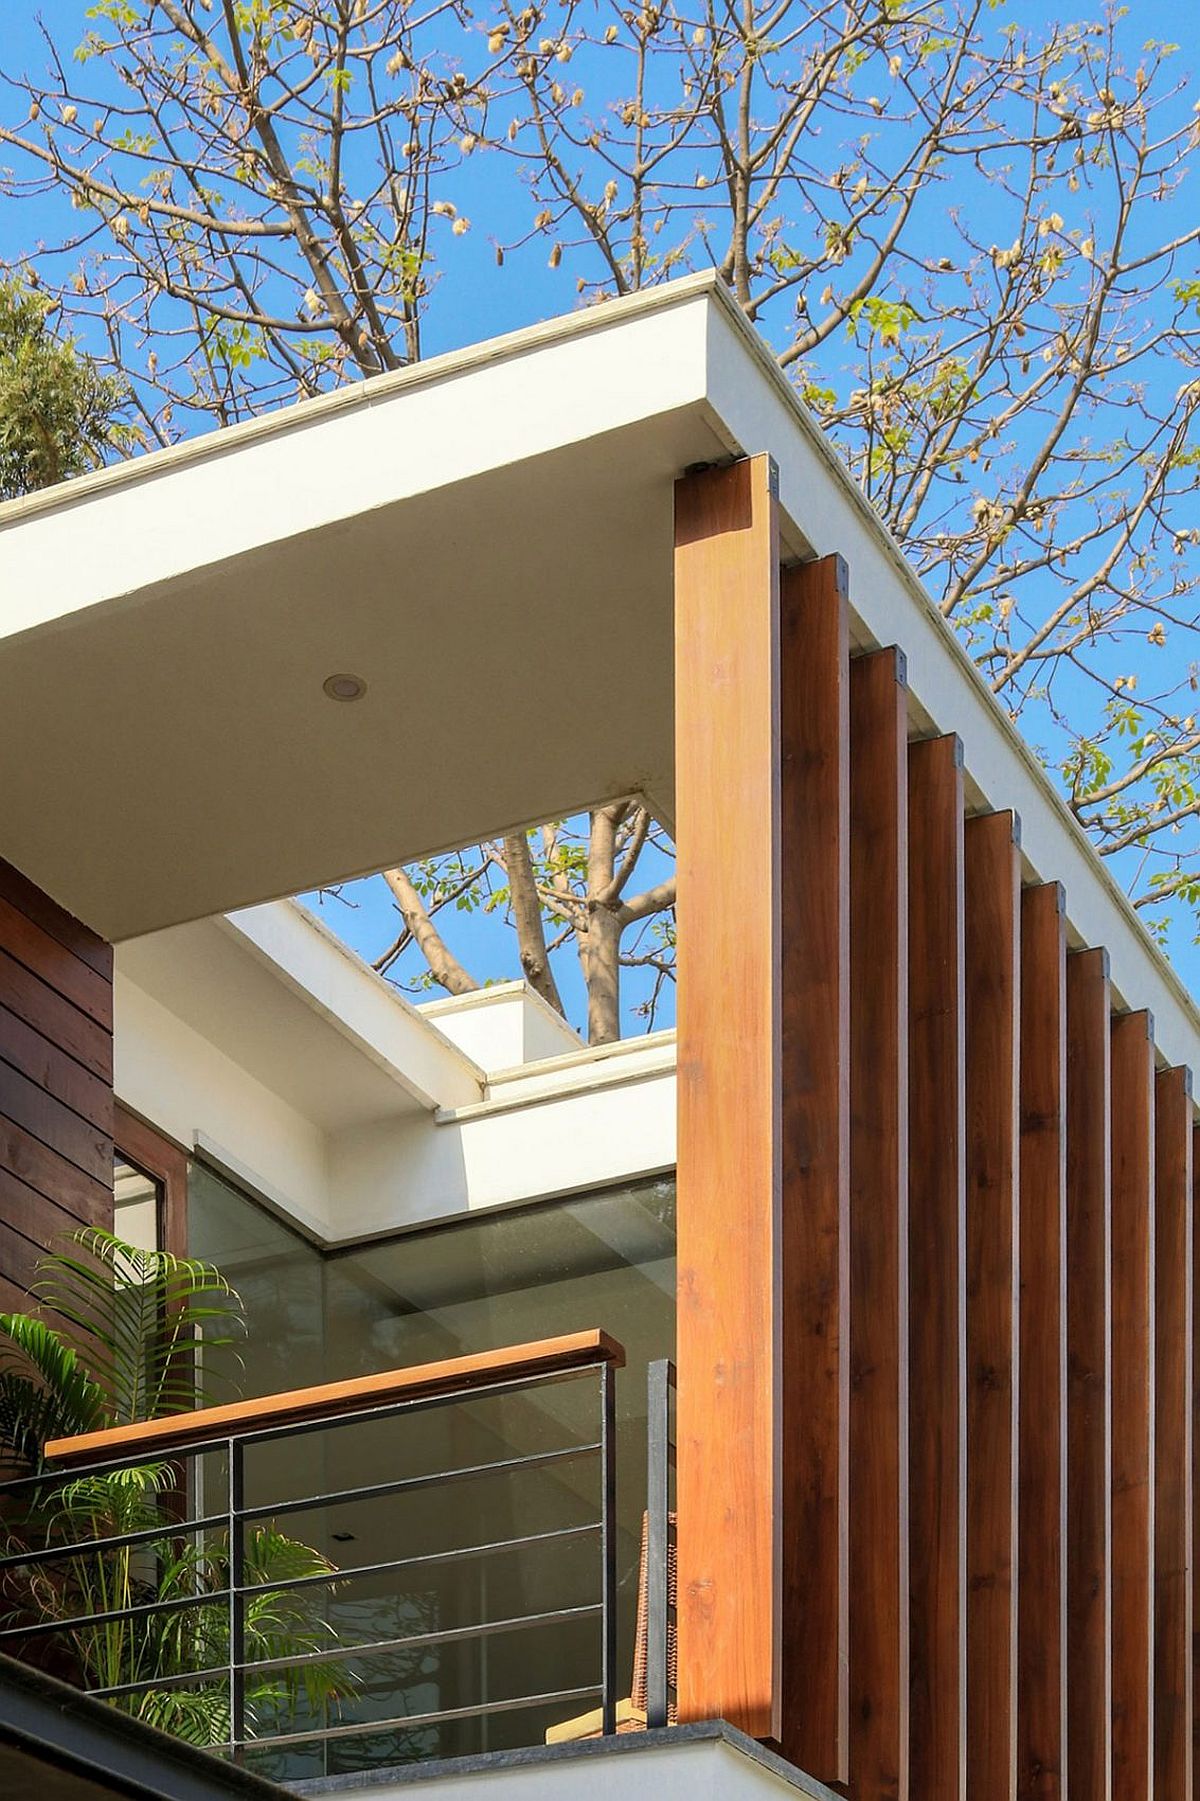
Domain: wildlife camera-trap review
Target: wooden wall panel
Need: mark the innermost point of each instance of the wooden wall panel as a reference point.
(992, 1015)
(1132, 1405)
(1042, 1392)
(56, 1104)
(879, 1614)
(729, 1160)
(815, 1446)
(1173, 1499)
(937, 1270)
(1089, 1362)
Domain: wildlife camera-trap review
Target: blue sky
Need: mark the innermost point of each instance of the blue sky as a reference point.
(477, 300)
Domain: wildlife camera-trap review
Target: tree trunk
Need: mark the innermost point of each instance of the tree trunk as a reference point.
(444, 966)
(603, 929)
(527, 918)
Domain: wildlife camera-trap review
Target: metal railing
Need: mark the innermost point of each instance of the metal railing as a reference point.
(660, 1546)
(48, 1578)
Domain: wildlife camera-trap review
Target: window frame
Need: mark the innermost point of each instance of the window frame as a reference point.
(137, 1142)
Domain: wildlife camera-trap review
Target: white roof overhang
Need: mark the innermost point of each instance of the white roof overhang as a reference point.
(486, 539)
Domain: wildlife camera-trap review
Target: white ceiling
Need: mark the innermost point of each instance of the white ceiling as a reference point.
(486, 539)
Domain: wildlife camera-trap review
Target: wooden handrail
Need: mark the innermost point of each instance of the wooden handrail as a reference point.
(208, 1424)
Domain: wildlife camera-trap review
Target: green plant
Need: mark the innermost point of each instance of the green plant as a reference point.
(121, 1345)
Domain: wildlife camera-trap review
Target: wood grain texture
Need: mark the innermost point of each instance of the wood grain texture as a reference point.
(87, 1146)
(937, 1270)
(992, 1013)
(166, 1163)
(56, 1099)
(1173, 1425)
(815, 1243)
(729, 1109)
(1042, 1392)
(879, 1614)
(60, 969)
(36, 905)
(53, 1069)
(1089, 1361)
(1132, 1405)
(26, 995)
(575, 1350)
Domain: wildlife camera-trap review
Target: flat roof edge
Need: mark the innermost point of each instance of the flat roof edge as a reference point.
(370, 391)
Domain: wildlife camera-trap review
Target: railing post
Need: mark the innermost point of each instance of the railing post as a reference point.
(237, 1601)
(658, 1543)
(608, 1546)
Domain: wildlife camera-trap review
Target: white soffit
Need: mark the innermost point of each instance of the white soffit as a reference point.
(462, 535)
(303, 1015)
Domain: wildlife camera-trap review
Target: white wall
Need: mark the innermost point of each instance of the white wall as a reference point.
(636, 1768)
(564, 1124)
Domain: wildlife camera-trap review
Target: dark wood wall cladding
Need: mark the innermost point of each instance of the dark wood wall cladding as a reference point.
(56, 1101)
(1020, 1248)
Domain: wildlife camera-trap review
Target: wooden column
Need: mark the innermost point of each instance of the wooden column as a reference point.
(814, 1251)
(879, 1639)
(992, 1012)
(1089, 1343)
(1132, 1405)
(937, 1291)
(1042, 1393)
(1173, 1500)
(729, 1158)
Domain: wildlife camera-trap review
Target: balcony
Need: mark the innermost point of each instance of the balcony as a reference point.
(461, 1581)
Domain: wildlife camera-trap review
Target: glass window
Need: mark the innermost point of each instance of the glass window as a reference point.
(504, 1278)
(136, 1205)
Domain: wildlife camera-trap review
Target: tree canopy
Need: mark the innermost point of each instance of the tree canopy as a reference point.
(58, 412)
(963, 226)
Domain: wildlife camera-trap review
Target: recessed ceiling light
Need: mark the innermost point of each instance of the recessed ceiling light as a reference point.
(344, 687)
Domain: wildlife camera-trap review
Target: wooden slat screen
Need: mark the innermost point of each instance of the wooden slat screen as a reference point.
(993, 998)
(1020, 1501)
(1132, 1306)
(937, 1253)
(56, 1103)
(1042, 1359)
(879, 1638)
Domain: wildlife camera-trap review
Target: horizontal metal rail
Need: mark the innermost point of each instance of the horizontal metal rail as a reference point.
(420, 1562)
(145, 1535)
(350, 1653)
(168, 1451)
(410, 1484)
(356, 1729)
(112, 1615)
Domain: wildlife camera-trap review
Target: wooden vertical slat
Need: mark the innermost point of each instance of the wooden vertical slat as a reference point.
(728, 1014)
(1132, 1405)
(937, 1251)
(992, 1012)
(1173, 1499)
(878, 1231)
(1089, 1346)
(1042, 1393)
(815, 842)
